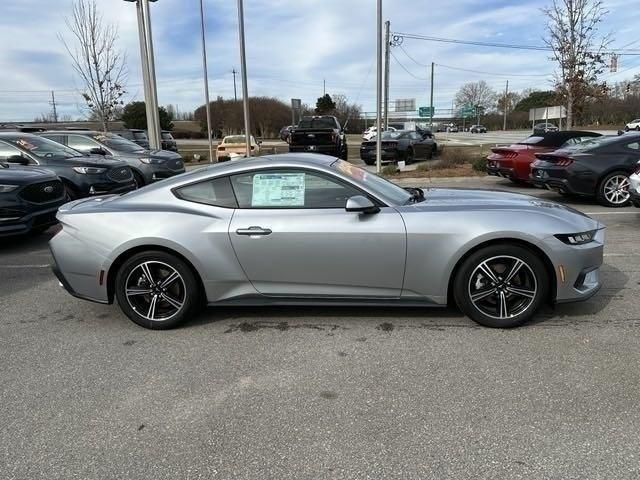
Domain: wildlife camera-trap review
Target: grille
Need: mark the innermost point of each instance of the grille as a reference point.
(312, 139)
(120, 174)
(43, 192)
(176, 165)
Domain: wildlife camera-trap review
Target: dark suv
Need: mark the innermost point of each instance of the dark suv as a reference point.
(168, 142)
(29, 199)
(148, 166)
(137, 136)
(81, 176)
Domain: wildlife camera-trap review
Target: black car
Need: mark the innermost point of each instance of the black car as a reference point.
(597, 167)
(29, 199)
(542, 128)
(168, 142)
(81, 176)
(407, 145)
(135, 135)
(148, 166)
(285, 133)
(478, 129)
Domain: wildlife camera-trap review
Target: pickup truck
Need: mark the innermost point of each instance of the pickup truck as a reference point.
(319, 134)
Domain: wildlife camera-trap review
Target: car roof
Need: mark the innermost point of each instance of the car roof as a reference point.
(75, 132)
(556, 139)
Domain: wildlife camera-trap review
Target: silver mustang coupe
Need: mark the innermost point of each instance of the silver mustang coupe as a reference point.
(311, 229)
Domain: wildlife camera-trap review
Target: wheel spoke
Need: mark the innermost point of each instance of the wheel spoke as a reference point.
(171, 301)
(170, 279)
(484, 268)
(517, 264)
(483, 294)
(152, 308)
(147, 272)
(522, 292)
(138, 291)
(504, 312)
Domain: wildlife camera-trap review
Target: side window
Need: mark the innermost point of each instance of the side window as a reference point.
(84, 144)
(415, 136)
(290, 189)
(55, 138)
(633, 146)
(216, 192)
(7, 151)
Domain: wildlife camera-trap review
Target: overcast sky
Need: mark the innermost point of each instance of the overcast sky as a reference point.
(291, 47)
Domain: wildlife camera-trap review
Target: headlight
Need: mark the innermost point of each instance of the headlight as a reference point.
(148, 160)
(7, 188)
(577, 238)
(89, 170)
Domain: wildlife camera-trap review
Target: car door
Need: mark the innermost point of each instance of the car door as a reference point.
(419, 146)
(293, 237)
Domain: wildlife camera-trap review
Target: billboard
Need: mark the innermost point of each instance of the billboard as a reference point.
(405, 105)
(544, 113)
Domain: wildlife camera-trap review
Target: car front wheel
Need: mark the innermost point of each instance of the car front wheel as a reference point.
(501, 286)
(156, 290)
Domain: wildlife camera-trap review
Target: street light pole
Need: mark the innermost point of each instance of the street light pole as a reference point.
(386, 74)
(379, 89)
(206, 82)
(243, 71)
(151, 96)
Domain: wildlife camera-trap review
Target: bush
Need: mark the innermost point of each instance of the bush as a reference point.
(479, 164)
(390, 170)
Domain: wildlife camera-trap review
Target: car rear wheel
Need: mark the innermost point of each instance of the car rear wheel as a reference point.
(613, 190)
(410, 156)
(157, 290)
(501, 286)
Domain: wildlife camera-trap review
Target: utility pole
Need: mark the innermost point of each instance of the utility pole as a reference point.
(431, 106)
(235, 93)
(386, 74)
(206, 83)
(506, 96)
(379, 87)
(53, 104)
(324, 87)
(243, 72)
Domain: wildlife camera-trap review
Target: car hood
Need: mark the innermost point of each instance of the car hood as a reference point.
(157, 154)
(456, 199)
(18, 175)
(88, 161)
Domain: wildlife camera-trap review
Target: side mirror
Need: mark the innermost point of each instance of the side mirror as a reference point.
(361, 204)
(97, 151)
(19, 159)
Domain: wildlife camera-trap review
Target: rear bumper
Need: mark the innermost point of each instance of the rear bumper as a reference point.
(324, 149)
(387, 155)
(502, 172)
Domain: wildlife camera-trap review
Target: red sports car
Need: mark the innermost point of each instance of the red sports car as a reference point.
(513, 162)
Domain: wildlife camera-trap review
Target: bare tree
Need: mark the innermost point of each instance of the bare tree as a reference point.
(97, 60)
(477, 94)
(578, 49)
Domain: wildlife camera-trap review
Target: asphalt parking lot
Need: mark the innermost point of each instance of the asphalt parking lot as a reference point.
(345, 393)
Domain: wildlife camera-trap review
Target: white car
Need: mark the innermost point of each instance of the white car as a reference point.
(233, 147)
(370, 133)
(634, 186)
(634, 125)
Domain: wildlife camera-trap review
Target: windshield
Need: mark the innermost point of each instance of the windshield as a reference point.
(391, 135)
(140, 136)
(43, 147)
(117, 143)
(376, 184)
(317, 123)
(593, 143)
(237, 139)
(166, 136)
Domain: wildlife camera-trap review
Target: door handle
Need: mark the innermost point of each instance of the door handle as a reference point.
(253, 231)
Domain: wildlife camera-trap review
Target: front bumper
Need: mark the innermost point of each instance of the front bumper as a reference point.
(577, 268)
(37, 219)
(153, 172)
(110, 188)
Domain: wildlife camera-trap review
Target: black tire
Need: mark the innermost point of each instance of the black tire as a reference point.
(184, 290)
(638, 128)
(344, 152)
(530, 277)
(410, 156)
(601, 195)
(369, 162)
(138, 179)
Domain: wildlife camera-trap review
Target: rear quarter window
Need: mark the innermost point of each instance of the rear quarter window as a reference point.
(216, 192)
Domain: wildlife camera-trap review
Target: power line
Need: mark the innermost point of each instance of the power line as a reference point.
(405, 69)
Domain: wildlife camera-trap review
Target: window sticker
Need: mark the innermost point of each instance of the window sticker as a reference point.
(278, 190)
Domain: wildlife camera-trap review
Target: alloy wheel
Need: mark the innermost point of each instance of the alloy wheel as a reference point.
(155, 290)
(616, 190)
(502, 287)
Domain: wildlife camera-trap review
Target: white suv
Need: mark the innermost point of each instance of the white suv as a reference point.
(635, 125)
(370, 133)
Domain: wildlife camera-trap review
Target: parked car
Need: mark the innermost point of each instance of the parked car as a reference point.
(29, 197)
(451, 128)
(81, 175)
(135, 135)
(285, 133)
(540, 128)
(148, 166)
(315, 230)
(634, 186)
(514, 161)
(319, 134)
(406, 145)
(168, 142)
(597, 167)
(234, 147)
(371, 132)
(478, 129)
(634, 125)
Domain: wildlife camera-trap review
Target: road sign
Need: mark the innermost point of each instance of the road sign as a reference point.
(467, 111)
(425, 111)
